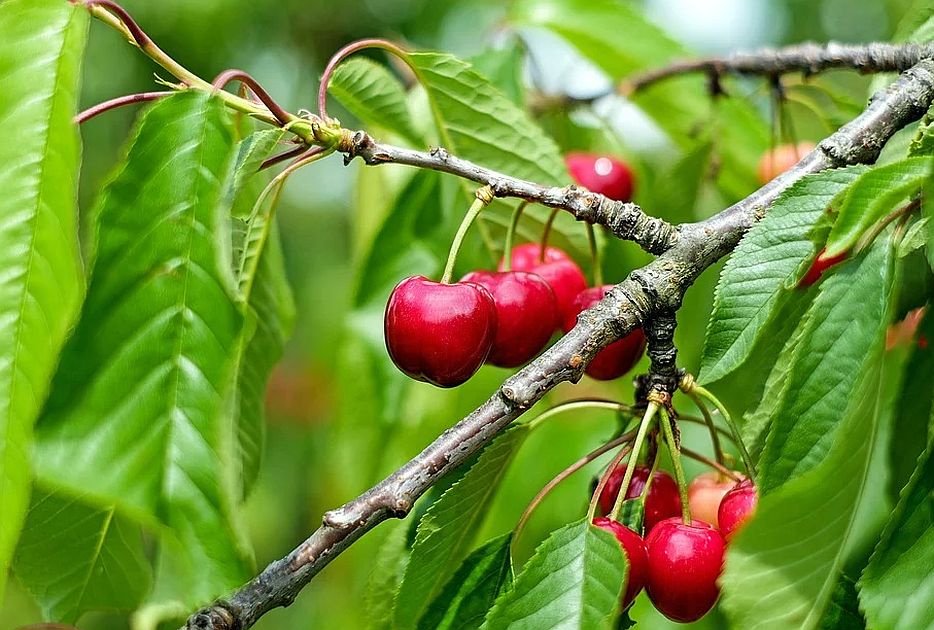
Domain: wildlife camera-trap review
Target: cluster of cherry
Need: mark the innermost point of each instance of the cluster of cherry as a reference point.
(442, 333)
(678, 563)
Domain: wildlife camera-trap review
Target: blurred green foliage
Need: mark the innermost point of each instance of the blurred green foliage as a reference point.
(329, 213)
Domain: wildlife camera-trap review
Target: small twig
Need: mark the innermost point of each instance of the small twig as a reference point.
(228, 76)
(120, 101)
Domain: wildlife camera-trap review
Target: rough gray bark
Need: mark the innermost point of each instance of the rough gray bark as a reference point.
(652, 293)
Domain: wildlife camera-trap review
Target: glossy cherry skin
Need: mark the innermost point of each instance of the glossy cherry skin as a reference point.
(634, 548)
(775, 162)
(737, 507)
(601, 174)
(662, 502)
(684, 564)
(526, 314)
(617, 358)
(439, 333)
(705, 493)
(820, 265)
(557, 269)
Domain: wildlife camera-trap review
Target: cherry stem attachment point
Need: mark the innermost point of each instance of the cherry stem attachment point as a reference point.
(647, 419)
(511, 235)
(675, 451)
(120, 101)
(484, 196)
(564, 474)
(703, 393)
(345, 52)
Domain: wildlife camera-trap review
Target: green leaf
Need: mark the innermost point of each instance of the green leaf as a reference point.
(839, 331)
(477, 122)
(897, 588)
(915, 238)
(99, 562)
(873, 195)
(143, 387)
(914, 407)
(448, 528)
(782, 568)
(503, 66)
(574, 580)
(252, 151)
(763, 270)
(41, 44)
(843, 609)
(471, 591)
(374, 95)
(385, 578)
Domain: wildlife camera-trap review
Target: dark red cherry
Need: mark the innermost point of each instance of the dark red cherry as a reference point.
(737, 507)
(820, 265)
(602, 174)
(439, 333)
(526, 314)
(684, 564)
(634, 548)
(557, 269)
(663, 500)
(617, 358)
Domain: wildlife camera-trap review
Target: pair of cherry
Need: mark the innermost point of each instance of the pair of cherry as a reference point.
(442, 333)
(677, 563)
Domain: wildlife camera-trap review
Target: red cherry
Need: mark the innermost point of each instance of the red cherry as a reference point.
(634, 548)
(705, 493)
(617, 358)
(737, 507)
(663, 500)
(684, 564)
(439, 333)
(819, 266)
(525, 314)
(557, 269)
(775, 162)
(601, 174)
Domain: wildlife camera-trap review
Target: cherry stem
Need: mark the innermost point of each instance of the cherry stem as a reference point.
(345, 52)
(120, 101)
(484, 196)
(650, 412)
(594, 256)
(546, 233)
(571, 405)
(665, 421)
(604, 478)
(867, 239)
(648, 482)
(721, 432)
(711, 426)
(720, 468)
(511, 235)
(228, 76)
(564, 474)
(747, 460)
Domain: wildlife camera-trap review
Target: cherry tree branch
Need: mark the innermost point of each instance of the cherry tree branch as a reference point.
(655, 290)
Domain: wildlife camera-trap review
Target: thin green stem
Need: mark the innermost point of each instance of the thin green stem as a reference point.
(511, 235)
(572, 405)
(650, 412)
(595, 256)
(665, 421)
(483, 197)
(604, 478)
(546, 234)
(720, 468)
(711, 426)
(747, 460)
(564, 474)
